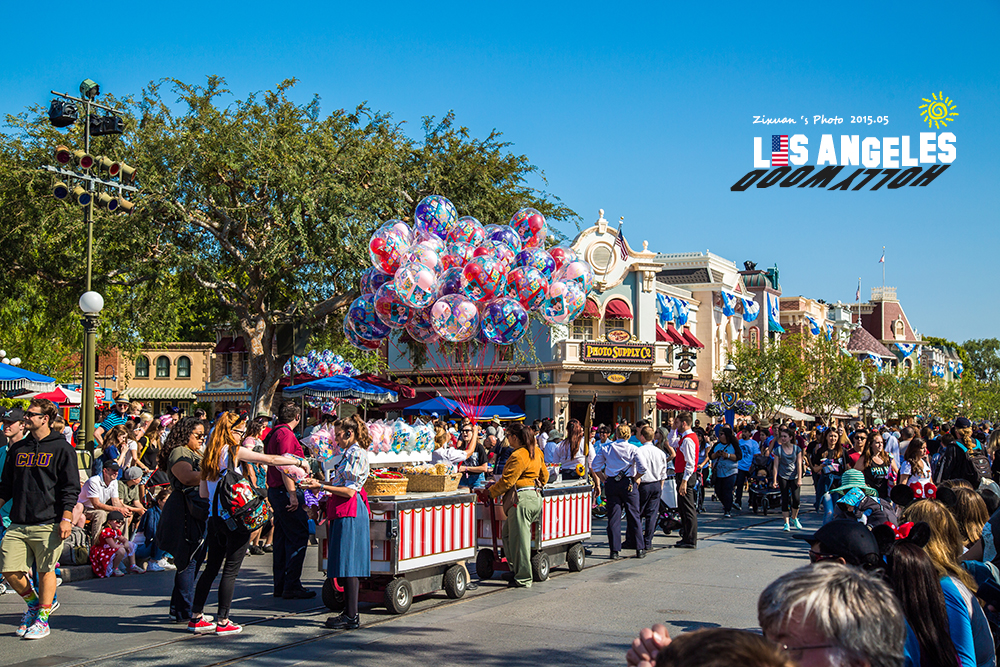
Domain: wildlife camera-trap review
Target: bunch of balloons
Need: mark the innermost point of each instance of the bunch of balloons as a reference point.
(321, 364)
(450, 278)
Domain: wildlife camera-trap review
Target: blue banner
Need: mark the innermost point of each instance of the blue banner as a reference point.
(665, 305)
(773, 315)
(813, 325)
(751, 309)
(728, 305)
(680, 313)
(906, 348)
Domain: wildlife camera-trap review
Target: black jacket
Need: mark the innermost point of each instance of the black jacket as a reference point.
(41, 478)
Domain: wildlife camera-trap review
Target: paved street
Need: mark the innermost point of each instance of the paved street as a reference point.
(572, 619)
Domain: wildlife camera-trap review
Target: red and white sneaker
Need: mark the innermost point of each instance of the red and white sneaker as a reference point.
(229, 628)
(200, 625)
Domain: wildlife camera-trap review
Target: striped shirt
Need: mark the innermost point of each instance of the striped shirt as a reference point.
(112, 420)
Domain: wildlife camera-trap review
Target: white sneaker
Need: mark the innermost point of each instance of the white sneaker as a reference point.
(165, 564)
(154, 566)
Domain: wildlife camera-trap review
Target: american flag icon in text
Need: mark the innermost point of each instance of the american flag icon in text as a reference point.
(779, 150)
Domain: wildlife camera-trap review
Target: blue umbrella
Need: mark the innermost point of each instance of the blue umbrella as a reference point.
(498, 411)
(439, 405)
(13, 378)
(341, 386)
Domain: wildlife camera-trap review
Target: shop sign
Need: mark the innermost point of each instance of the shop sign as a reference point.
(679, 383)
(629, 353)
(442, 379)
(617, 377)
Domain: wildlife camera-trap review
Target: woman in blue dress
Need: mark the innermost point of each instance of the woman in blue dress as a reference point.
(347, 513)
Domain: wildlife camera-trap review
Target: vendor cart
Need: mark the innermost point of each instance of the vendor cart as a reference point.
(564, 525)
(419, 545)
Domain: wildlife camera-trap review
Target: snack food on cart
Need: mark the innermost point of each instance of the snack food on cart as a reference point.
(386, 483)
(432, 478)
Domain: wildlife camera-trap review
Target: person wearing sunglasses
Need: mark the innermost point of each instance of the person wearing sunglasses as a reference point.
(43, 485)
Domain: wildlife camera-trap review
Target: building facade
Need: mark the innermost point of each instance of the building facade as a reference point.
(163, 375)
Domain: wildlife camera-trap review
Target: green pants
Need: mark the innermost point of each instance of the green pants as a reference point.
(516, 534)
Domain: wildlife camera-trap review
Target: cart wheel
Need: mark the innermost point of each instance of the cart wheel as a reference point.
(398, 596)
(332, 598)
(575, 557)
(763, 506)
(484, 564)
(455, 582)
(540, 566)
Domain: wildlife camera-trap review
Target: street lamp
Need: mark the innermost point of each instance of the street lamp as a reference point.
(89, 180)
(730, 367)
(15, 361)
(91, 303)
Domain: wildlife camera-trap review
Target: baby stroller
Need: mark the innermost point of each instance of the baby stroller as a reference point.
(668, 518)
(762, 495)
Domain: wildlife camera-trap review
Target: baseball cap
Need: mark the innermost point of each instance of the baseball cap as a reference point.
(133, 473)
(491, 430)
(15, 414)
(556, 434)
(111, 464)
(115, 515)
(963, 422)
(848, 539)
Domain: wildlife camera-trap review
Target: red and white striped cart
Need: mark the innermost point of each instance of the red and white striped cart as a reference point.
(564, 525)
(420, 542)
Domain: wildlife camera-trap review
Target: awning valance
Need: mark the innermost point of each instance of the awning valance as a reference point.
(238, 346)
(161, 393)
(661, 335)
(591, 310)
(617, 310)
(666, 400)
(223, 345)
(690, 339)
(674, 335)
(792, 413)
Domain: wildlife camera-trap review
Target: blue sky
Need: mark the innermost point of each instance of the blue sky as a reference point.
(644, 110)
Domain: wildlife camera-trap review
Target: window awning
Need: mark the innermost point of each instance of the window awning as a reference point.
(238, 346)
(661, 335)
(675, 337)
(672, 401)
(223, 345)
(618, 310)
(690, 339)
(591, 310)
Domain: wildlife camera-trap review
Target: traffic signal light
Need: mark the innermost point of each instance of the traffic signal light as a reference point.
(83, 198)
(127, 173)
(109, 124)
(63, 154)
(107, 202)
(60, 190)
(125, 206)
(62, 113)
(83, 159)
(108, 166)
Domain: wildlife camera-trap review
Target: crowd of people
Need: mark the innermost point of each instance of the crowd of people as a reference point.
(910, 517)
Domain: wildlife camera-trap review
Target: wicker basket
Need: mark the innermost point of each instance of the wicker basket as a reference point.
(386, 487)
(420, 483)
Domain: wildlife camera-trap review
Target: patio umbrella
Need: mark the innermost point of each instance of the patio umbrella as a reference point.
(59, 396)
(438, 405)
(401, 389)
(341, 386)
(13, 378)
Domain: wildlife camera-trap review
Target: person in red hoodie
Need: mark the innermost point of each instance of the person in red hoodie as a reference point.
(685, 465)
(40, 476)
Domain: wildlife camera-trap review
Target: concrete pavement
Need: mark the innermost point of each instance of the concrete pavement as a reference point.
(572, 619)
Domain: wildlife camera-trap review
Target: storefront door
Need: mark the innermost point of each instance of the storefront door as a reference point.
(624, 413)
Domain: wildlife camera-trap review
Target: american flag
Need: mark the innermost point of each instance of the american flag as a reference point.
(779, 150)
(620, 242)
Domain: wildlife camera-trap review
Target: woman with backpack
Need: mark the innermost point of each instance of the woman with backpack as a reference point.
(227, 538)
(877, 465)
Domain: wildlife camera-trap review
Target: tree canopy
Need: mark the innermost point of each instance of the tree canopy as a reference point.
(252, 212)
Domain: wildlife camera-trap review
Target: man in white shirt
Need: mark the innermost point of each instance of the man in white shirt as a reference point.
(99, 496)
(685, 464)
(651, 483)
(891, 445)
(551, 446)
(905, 436)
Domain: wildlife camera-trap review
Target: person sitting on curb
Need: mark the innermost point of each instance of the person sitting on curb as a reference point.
(128, 495)
(111, 548)
(145, 536)
(98, 497)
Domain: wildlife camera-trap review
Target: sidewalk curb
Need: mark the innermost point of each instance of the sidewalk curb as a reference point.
(75, 573)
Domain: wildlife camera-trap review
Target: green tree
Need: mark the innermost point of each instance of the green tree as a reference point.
(771, 376)
(982, 358)
(263, 204)
(832, 378)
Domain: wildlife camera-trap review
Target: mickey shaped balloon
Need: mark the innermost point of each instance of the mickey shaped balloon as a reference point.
(362, 318)
(578, 271)
(390, 308)
(372, 279)
(467, 230)
(562, 256)
(356, 340)
(528, 286)
(508, 236)
(417, 284)
(505, 321)
(536, 258)
(481, 278)
(455, 318)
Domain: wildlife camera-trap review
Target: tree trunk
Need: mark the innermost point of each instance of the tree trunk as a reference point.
(265, 365)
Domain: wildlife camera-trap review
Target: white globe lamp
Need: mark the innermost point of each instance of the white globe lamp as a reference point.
(91, 303)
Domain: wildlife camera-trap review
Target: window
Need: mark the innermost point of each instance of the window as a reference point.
(618, 324)
(228, 359)
(754, 337)
(900, 331)
(245, 366)
(163, 367)
(583, 328)
(183, 367)
(142, 367)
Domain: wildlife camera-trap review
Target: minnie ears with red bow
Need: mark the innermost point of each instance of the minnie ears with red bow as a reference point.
(887, 534)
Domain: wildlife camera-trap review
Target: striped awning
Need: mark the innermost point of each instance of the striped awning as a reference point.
(160, 393)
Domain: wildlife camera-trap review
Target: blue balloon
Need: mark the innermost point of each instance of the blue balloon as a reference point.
(504, 321)
(363, 319)
(505, 235)
(536, 258)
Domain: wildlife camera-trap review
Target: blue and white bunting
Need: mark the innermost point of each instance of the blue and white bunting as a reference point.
(828, 330)
(728, 305)
(665, 305)
(680, 313)
(813, 325)
(906, 348)
(959, 368)
(773, 314)
(877, 359)
(751, 309)
(951, 366)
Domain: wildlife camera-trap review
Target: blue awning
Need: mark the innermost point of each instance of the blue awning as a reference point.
(447, 406)
(13, 378)
(341, 386)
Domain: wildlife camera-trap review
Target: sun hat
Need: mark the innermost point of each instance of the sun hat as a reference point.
(854, 479)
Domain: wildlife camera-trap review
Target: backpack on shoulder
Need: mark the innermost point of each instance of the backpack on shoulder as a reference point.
(238, 503)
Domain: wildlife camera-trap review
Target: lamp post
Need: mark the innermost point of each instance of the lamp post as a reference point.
(91, 303)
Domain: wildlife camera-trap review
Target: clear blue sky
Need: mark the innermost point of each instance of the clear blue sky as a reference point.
(643, 110)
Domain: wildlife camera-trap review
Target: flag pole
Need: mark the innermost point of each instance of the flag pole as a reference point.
(607, 265)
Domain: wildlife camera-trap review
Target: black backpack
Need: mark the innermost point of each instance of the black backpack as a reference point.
(238, 503)
(957, 463)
